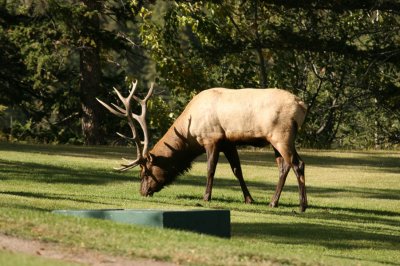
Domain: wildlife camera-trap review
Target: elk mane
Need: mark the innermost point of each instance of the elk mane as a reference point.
(180, 145)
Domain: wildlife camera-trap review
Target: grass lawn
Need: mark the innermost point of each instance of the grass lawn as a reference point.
(12, 259)
(353, 216)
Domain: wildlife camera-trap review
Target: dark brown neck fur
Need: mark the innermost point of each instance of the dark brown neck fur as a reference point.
(174, 153)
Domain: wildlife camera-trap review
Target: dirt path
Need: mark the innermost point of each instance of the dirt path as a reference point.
(76, 255)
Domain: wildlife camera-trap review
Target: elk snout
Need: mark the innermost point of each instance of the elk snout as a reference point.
(149, 186)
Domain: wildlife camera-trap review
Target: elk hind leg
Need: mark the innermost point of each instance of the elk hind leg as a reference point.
(284, 168)
(291, 157)
(299, 169)
(232, 156)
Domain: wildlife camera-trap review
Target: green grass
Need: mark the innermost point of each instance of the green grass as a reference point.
(353, 216)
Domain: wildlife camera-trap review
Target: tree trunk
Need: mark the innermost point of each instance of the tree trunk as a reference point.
(262, 68)
(259, 50)
(90, 82)
(377, 143)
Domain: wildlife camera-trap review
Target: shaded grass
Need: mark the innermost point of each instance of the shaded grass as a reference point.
(354, 214)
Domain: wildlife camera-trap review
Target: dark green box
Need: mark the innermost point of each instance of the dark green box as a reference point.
(212, 222)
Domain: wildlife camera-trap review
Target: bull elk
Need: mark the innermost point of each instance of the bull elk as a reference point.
(218, 120)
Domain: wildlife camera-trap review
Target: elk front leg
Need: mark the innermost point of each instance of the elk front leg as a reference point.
(212, 160)
(284, 168)
(232, 156)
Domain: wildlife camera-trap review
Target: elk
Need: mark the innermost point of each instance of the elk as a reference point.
(218, 120)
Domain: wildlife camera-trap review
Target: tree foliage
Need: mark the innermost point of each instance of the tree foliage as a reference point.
(64, 54)
(342, 58)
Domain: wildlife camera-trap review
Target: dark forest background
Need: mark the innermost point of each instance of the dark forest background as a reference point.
(341, 57)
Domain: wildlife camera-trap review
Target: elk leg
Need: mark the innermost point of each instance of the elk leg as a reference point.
(284, 168)
(298, 168)
(212, 160)
(232, 155)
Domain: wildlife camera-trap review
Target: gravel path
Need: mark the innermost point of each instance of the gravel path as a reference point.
(77, 255)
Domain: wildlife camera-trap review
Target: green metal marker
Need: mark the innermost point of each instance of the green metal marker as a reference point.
(212, 222)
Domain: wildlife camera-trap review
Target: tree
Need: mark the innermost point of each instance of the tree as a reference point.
(90, 74)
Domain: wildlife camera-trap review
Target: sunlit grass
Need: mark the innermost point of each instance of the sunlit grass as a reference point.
(354, 214)
(11, 259)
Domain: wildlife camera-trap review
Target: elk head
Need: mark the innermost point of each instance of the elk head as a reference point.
(151, 175)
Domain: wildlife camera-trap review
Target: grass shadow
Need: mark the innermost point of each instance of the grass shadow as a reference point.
(364, 216)
(265, 157)
(44, 173)
(69, 150)
(269, 186)
(256, 157)
(329, 236)
(49, 196)
(378, 163)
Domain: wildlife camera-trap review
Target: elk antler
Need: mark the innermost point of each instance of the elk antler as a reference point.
(141, 119)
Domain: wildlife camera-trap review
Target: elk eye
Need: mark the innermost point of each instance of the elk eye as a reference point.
(147, 172)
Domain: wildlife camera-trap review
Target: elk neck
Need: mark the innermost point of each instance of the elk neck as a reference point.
(175, 152)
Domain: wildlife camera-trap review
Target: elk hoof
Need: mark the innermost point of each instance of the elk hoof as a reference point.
(303, 208)
(273, 205)
(248, 200)
(207, 197)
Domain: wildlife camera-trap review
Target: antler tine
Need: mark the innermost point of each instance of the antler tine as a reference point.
(128, 165)
(136, 143)
(124, 100)
(144, 112)
(133, 87)
(125, 167)
(149, 93)
(124, 137)
(112, 110)
(118, 108)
